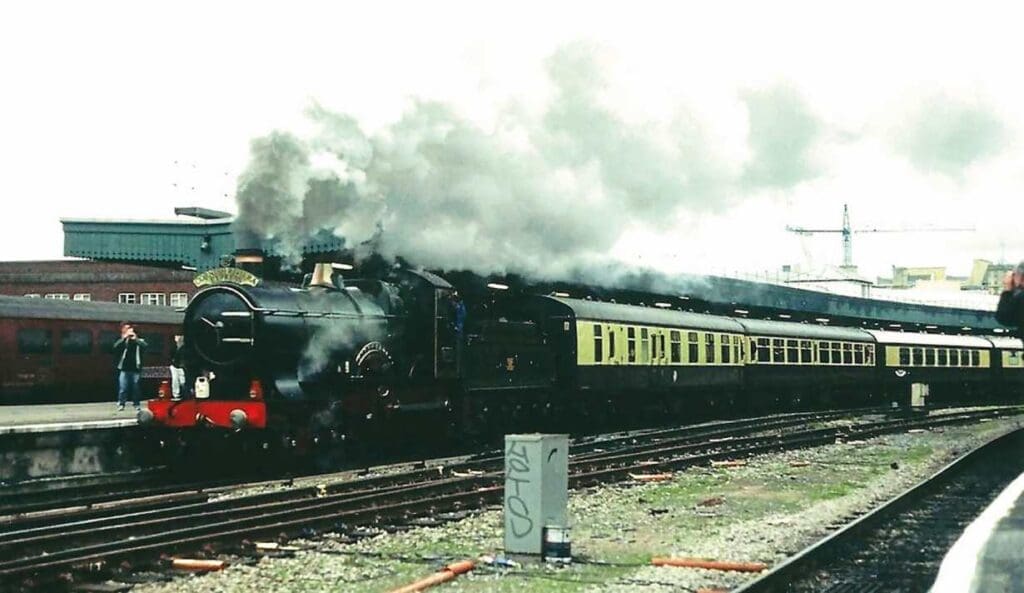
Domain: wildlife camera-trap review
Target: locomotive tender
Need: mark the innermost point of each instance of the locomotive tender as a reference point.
(363, 358)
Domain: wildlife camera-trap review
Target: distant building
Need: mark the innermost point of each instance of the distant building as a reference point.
(83, 280)
(987, 276)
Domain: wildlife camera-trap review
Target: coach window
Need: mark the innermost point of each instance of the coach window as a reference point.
(764, 350)
(76, 341)
(35, 341)
(942, 357)
(692, 347)
(965, 357)
(598, 344)
(904, 355)
(726, 349)
(631, 344)
(975, 358)
(778, 350)
(645, 348)
(792, 356)
(676, 355)
(929, 357)
(824, 353)
(737, 349)
(858, 354)
(154, 344)
(918, 356)
(709, 348)
(869, 354)
(847, 353)
(106, 340)
(805, 352)
(954, 357)
(611, 344)
(661, 345)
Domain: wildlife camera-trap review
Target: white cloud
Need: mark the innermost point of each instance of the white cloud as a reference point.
(100, 100)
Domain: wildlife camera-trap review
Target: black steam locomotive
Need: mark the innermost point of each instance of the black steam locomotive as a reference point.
(363, 359)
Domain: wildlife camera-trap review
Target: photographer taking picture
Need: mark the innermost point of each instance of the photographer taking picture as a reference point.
(1010, 311)
(128, 353)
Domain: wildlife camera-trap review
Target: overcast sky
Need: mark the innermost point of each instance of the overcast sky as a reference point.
(910, 113)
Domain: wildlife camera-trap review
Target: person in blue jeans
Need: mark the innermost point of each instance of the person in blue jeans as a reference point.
(128, 353)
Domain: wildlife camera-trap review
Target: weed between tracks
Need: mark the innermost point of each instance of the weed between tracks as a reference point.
(763, 511)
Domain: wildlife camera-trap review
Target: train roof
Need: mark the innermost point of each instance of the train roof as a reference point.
(37, 308)
(759, 327)
(916, 339)
(1006, 343)
(602, 311)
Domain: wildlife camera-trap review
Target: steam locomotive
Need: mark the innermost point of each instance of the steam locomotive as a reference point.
(354, 360)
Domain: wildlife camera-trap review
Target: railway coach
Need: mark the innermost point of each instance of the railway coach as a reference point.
(55, 351)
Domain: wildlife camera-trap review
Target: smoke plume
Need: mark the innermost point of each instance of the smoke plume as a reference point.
(537, 194)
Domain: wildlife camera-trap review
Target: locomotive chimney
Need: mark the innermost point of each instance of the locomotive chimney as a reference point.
(248, 252)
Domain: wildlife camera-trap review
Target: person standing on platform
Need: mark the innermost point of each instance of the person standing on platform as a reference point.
(177, 367)
(128, 353)
(1010, 311)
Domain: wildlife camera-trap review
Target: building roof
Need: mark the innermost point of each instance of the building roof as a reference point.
(916, 339)
(757, 327)
(599, 311)
(35, 308)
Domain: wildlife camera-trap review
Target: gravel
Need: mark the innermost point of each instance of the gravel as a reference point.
(764, 511)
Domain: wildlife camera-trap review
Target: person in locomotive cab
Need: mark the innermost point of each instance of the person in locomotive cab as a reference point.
(177, 367)
(458, 313)
(128, 353)
(1010, 311)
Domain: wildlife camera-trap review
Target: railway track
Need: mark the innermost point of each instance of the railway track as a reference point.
(60, 543)
(156, 485)
(898, 547)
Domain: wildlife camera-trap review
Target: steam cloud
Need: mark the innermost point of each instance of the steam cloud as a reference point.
(539, 194)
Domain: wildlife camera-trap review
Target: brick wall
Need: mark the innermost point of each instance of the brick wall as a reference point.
(102, 281)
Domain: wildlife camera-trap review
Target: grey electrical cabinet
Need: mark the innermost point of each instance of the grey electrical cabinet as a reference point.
(536, 489)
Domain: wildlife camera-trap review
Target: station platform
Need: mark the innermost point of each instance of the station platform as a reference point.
(989, 556)
(61, 417)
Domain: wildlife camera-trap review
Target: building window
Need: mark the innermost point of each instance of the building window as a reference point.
(58, 296)
(126, 298)
(83, 296)
(33, 295)
(153, 298)
(179, 299)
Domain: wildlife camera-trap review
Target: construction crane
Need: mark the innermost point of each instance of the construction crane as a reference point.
(847, 232)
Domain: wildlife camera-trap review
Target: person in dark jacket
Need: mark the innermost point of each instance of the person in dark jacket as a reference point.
(1010, 311)
(128, 354)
